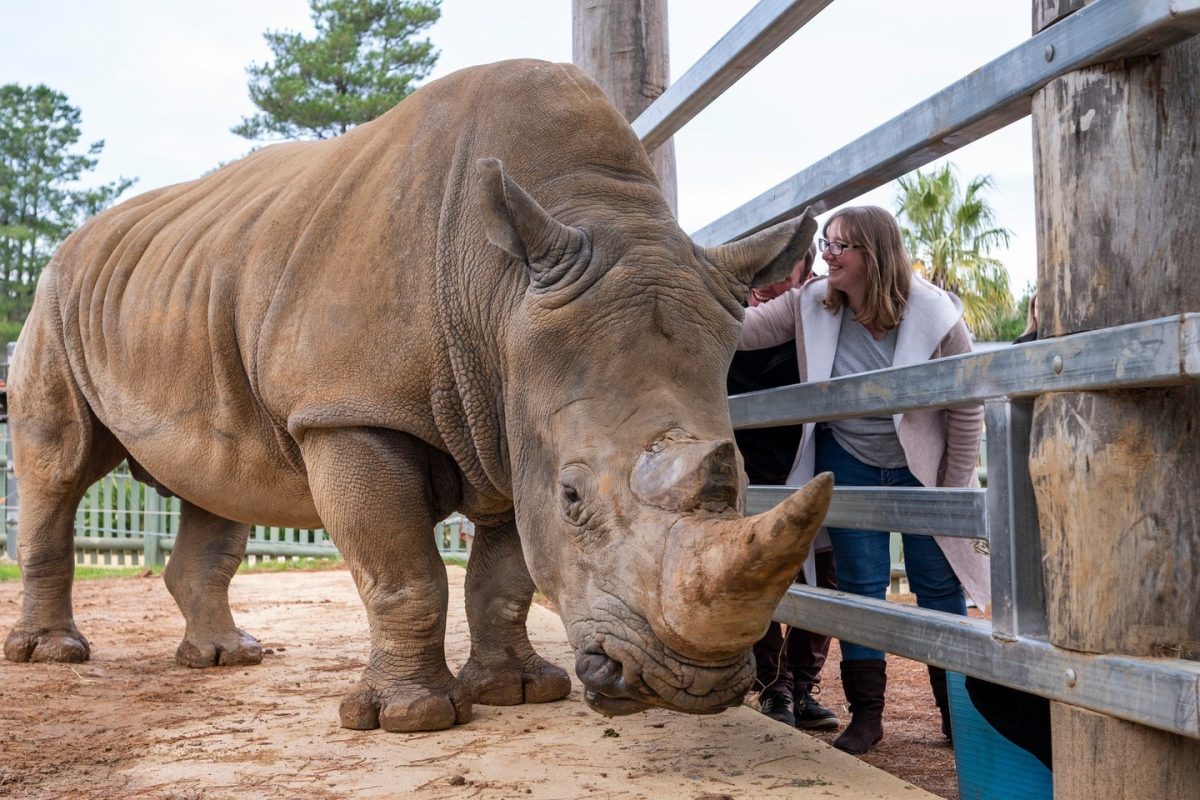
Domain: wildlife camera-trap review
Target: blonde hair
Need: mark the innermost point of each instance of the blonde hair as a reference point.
(889, 272)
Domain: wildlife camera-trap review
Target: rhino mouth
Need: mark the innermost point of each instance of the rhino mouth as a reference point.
(612, 706)
(616, 685)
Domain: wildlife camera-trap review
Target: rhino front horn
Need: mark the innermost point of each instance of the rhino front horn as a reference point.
(723, 578)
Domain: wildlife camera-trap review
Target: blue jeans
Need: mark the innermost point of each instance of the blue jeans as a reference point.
(863, 560)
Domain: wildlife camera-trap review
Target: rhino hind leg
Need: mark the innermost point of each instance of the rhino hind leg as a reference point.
(373, 490)
(207, 552)
(504, 669)
(60, 449)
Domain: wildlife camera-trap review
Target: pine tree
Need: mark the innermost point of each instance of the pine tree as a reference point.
(40, 202)
(364, 59)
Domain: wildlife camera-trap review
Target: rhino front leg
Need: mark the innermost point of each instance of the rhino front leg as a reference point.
(372, 489)
(207, 552)
(504, 669)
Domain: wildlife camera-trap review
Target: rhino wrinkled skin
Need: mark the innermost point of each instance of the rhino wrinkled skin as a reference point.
(479, 301)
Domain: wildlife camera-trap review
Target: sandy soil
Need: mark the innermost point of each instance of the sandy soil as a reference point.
(130, 723)
(913, 747)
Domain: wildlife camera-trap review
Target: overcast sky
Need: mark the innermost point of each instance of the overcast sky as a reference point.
(162, 81)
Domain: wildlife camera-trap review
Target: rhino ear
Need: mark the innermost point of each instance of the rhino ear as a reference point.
(768, 256)
(514, 222)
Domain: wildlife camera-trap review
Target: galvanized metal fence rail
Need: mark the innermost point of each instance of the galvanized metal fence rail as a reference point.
(1011, 648)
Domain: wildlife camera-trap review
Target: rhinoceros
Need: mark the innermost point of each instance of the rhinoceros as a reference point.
(479, 301)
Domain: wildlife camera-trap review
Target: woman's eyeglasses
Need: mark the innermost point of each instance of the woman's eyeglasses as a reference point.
(835, 248)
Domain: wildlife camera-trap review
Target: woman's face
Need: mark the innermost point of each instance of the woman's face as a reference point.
(848, 271)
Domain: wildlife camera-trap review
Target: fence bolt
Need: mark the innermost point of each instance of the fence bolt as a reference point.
(1050, 52)
(1057, 363)
(1072, 678)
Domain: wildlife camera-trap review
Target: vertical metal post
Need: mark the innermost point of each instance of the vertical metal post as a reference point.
(1018, 594)
(152, 528)
(121, 529)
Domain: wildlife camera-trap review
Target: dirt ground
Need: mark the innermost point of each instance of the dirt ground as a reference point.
(913, 747)
(130, 723)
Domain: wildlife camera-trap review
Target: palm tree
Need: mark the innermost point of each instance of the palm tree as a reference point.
(950, 234)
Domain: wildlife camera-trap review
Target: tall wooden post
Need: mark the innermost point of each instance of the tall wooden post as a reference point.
(622, 44)
(1117, 474)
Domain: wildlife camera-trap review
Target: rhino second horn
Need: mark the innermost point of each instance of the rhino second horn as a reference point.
(723, 578)
(686, 475)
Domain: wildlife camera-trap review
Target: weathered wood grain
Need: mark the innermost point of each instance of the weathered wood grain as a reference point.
(1100, 757)
(1116, 476)
(1117, 174)
(1048, 12)
(1118, 192)
(622, 44)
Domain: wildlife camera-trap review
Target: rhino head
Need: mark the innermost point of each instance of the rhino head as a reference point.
(628, 489)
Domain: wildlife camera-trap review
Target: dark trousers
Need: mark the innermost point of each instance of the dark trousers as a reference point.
(791, 663)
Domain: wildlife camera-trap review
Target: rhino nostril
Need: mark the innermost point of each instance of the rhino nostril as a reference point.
(588, 664)
(602, 674)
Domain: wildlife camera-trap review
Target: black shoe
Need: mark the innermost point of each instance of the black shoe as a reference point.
(813, 716)
(778, 707)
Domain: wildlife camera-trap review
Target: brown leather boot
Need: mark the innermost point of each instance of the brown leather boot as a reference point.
(864, 683)
(941, 696)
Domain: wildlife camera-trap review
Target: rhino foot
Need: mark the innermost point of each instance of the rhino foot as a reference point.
(234, 649)
(421, 709)
(65, 645)
(536, 681)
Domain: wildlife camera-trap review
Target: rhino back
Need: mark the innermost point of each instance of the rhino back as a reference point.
(336, 283)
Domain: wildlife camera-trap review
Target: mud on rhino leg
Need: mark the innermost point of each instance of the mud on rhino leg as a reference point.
(504, 669)
(372, 489)
(207, 552)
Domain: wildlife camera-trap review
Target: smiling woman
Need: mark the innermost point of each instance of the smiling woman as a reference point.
(873, 312)
(872, 279)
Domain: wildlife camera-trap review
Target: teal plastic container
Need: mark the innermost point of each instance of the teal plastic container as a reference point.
(991, 767)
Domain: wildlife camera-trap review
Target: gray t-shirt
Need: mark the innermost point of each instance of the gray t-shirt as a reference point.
(872, 440)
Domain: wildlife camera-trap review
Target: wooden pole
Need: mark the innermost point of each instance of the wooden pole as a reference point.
(1117, 474)
(622, 44)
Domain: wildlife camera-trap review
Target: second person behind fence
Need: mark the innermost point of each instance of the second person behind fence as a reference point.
(788, 660)
(873, 312)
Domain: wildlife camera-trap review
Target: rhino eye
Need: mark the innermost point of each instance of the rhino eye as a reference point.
(571, 493)
(572, 504)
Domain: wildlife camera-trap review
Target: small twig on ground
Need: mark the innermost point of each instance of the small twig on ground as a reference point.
(85, 680)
